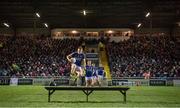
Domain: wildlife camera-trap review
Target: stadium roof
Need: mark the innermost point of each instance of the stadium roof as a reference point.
(99, 13)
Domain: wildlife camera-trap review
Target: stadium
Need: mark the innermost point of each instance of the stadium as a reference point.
(89, 53)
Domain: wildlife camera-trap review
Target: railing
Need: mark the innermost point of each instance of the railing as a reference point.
(64, 77)
(34, 77)
(64, 80)
(143, 78)
(112, 38)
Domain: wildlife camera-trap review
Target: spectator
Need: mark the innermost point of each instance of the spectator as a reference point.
(141, 55)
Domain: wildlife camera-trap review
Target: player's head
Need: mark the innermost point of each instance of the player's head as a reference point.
(89, 62)
(80, 49)
(93, 64)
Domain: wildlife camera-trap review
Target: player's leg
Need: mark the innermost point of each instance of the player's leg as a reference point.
(87, 81)
(73, 68)
(79, 80)
(73, 75)
(90, 82)
(94, 81)
(80, 71)
(73, 72)
(100, 79)
(79, 75)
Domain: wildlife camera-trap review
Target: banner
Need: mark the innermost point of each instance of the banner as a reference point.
(129, 83)
(118, 82)
(4, 80)
(169, 82)
(61, 81)
(140, 82)
(42, 81)
(14, 81)
(24, 81)
(157, 82)
(176, 82)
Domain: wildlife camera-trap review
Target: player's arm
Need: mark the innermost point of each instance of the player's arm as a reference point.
(104, 74)
(83, 60)
(69, 57)
(96, 72)
(84, 64)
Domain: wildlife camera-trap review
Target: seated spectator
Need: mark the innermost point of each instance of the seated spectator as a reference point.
(144, 57)
(43, 57)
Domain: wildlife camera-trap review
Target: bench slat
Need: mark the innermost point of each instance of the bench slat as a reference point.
(85, 88)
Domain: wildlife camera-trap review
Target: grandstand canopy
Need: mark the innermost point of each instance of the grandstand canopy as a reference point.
(99, 13)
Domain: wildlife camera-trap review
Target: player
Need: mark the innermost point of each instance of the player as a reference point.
(76, 59)
(100, 74)
(88, 73)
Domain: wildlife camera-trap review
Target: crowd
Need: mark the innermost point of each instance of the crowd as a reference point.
(157, 56)
(35, 57)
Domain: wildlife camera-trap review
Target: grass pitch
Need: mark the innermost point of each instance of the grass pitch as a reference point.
(36, 96)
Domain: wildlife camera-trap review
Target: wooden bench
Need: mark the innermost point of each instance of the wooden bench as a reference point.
(86, 90)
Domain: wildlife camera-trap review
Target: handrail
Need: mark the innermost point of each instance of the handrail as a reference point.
(67, 77)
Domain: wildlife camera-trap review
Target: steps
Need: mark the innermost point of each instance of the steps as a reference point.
(104, 60)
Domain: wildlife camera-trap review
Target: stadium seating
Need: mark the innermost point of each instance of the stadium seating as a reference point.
(43, 57)
(47, 57)
(139, 55)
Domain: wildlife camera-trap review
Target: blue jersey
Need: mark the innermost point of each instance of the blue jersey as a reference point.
(79, 58)
(89, 71)
(101, 71)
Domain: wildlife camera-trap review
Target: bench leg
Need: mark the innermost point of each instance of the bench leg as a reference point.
(49, 94)
(124, 95)
(87, 92)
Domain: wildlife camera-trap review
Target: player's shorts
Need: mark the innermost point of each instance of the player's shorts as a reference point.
(73, 65)
(94, 77)
(78, 68)
(100, 77)
(88, 78)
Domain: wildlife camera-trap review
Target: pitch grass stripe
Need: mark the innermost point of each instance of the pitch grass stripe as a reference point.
(137, 97)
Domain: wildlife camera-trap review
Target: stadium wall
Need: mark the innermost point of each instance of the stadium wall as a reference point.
(90, 29)
(113, 82)
(24, 32)
(154, 31)
(116, 39)
(176, 32)
(6, 32)
(95, 32)
(45, 31)
(30, 31)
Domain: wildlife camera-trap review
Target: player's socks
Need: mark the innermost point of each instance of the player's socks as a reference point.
(79, 81)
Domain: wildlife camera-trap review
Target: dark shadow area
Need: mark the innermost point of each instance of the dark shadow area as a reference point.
(152, 102)
(121, 102)
(86, 102)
